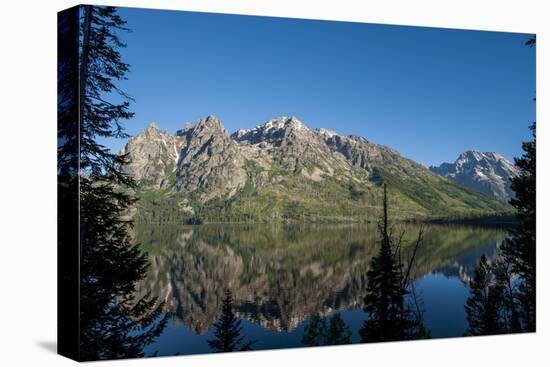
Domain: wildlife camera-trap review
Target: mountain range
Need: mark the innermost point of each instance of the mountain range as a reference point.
(488, 173)
(284, 171)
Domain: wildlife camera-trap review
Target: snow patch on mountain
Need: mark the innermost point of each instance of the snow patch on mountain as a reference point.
(485, 172)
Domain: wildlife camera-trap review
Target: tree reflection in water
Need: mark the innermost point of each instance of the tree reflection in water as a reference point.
(280, 275)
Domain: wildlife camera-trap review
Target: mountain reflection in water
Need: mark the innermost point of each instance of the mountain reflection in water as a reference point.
(280, 275)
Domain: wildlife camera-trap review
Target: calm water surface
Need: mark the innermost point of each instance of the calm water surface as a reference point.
(280, 275)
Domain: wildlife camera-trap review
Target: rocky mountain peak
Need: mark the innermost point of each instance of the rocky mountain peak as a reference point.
(152, 155)
(211, 120)
(273, 132)
(210, 124)
(208, 131)
(472, 154)
(152, 126)
(210, 154)
(151, 129)
(487, 172)
(283, 122)
(471, 158)
(186, 128)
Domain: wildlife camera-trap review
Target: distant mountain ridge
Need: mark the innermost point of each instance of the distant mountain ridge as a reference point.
(283, 171)
(488, 173)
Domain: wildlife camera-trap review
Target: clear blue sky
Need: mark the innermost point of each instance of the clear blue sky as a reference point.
(428, 93)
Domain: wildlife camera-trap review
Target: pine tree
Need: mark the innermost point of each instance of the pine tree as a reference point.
(520, 248)
(338, 332)
(483, 307)
(227, 333)
(315, 332)
(389, 316)
(499, 305)
(503, 276)
(114, 324)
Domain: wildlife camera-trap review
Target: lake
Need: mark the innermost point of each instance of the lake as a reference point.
(281, 275)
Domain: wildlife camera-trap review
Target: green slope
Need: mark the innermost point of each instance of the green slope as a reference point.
(294, 198)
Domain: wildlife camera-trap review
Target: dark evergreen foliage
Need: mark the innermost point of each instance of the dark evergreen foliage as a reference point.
(227, 333)
(498, 303)
(317, 332)
(504, 278)
(67, 183)
(67, 96)
(113, 323)
(512, 303)
(491, 308)
(482, 308)
(338, 332)
(389, 315)
(520, 248)
(103, 106)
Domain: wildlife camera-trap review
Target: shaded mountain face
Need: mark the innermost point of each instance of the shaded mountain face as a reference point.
(153, 156)
(283, 171)
(488, 173)
(210, 160)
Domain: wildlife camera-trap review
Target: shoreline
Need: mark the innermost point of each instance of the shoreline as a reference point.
(506, 221)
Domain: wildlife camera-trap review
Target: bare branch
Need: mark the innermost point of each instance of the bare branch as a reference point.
(411, 260)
